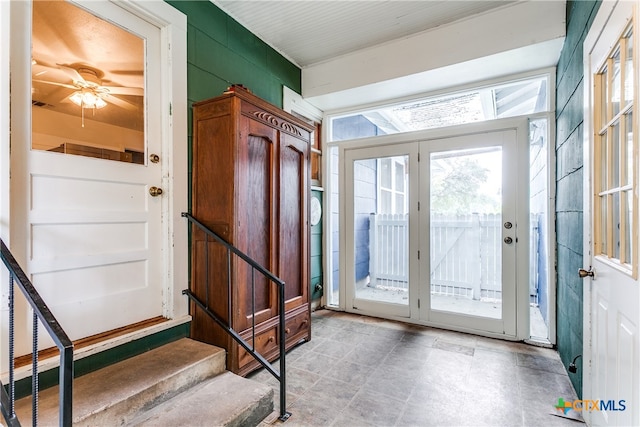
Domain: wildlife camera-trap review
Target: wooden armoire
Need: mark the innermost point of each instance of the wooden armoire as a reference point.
(251, 186)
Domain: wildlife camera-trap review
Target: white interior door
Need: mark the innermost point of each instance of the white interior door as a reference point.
(94, 235)
(470, 231)
(611, 299)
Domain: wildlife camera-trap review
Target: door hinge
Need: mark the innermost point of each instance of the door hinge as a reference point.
(170, 109)
(418, 254)
(418, 303)
(418, 205)
(418, 157)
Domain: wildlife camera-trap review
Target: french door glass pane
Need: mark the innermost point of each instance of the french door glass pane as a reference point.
(604, 97)
(603, 224)
(616, 225)
(628, 216)
(628, 85)
(615, 84)
(604, 161)
(381, 237)
(629, 143)
(615, 159)
(466, 232)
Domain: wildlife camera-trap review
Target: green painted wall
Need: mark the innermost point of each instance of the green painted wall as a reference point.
(221, 52)
(569, 175)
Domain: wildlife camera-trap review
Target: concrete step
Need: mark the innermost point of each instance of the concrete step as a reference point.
(226, 400)
(118, 393)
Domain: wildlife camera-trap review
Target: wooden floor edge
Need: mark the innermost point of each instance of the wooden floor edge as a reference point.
(47, 353)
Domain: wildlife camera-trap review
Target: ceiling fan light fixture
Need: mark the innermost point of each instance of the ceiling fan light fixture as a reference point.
(87, 99)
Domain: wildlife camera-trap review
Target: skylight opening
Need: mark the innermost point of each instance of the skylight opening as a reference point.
(522, 97)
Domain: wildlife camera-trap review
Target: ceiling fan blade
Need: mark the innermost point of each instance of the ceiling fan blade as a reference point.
(122, 90)
(120, 102)
(71, 72)
(56, 84)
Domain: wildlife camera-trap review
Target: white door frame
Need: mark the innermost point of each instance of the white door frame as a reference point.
(16, 36)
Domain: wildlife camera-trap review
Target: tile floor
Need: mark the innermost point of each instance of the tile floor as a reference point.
(362, 371)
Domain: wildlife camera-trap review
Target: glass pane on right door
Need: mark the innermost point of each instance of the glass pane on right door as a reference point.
(466, 232)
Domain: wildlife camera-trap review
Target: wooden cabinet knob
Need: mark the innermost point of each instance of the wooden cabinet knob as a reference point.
(288, 330)
(271, 339)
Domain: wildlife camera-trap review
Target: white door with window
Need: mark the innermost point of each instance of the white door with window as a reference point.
(432, 230)
(468, 212)
(611, 288)
(88, 185)
(380, 212)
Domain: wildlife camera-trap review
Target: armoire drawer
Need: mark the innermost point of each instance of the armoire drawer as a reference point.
(266, 343)
(298, 325)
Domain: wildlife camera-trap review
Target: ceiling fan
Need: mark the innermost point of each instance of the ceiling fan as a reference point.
(86, 82)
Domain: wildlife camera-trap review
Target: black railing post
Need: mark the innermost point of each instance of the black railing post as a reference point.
(34, 373)
(284, 415)
(66, 386)
(40, 313)
(12, 364)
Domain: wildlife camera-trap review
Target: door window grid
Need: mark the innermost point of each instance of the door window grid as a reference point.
(615, 219)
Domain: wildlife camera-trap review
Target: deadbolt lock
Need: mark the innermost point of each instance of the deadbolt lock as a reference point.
(508, 240)
(508, 225)
(154, 158)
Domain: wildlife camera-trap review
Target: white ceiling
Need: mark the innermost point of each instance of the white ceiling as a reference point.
(369, 51)
(308, 32)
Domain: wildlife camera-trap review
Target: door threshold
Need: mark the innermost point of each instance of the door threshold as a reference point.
(49, 358)
(539, 342)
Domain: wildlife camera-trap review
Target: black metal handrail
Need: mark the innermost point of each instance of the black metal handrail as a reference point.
(40, 312)
(250, 348)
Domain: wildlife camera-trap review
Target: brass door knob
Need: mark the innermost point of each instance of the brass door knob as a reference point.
(155, 191)
(586, 273)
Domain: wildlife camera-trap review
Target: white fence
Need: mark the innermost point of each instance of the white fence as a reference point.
(465, 254)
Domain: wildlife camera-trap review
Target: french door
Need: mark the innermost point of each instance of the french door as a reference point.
(432, 232)
(469, 230)
(380, 210)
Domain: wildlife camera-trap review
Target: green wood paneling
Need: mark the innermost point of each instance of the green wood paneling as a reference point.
(569, 184)
(219, 46)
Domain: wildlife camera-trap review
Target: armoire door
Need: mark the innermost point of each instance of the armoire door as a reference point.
(255, 199)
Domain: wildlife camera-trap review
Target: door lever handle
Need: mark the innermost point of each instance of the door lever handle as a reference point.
(587, 273)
